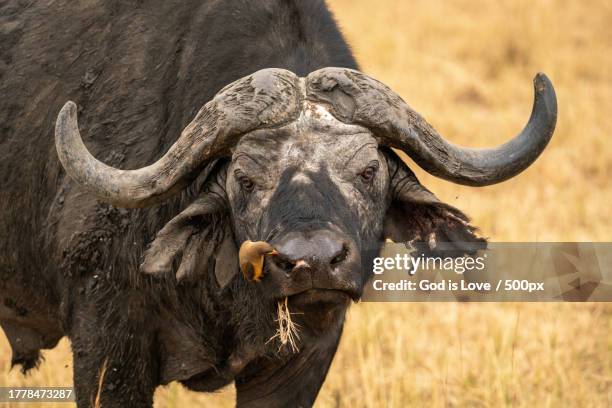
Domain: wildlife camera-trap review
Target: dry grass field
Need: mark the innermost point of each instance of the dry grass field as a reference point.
(467, 66)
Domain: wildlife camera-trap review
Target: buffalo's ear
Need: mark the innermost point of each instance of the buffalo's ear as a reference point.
(198, 240)
(226, 260)
(416, 216)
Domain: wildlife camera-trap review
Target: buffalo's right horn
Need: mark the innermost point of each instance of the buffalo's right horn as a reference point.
(266, 98)
(356, 98)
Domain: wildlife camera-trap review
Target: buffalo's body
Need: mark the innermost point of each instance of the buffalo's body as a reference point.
(69, 263)
(250, 142)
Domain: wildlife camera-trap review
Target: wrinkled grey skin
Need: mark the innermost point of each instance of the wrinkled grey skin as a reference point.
(300, 156)
(315, 142)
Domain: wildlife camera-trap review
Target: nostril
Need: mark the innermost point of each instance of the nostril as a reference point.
(341, 256)
(283, 263)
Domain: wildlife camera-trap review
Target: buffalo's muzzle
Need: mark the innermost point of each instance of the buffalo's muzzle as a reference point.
(320, 259)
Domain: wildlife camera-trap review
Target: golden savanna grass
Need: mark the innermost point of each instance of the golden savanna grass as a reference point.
(467, 67)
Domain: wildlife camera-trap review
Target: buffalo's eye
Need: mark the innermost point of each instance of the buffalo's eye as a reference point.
(246, 183)
(369, 173)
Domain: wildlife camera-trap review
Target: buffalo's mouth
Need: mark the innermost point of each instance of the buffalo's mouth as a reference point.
(322, 297)
(303, 290)
(319, 309)
(308, 277)
(314, 265)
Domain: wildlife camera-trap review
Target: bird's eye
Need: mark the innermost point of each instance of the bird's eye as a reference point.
(246, 183)
(369, 173)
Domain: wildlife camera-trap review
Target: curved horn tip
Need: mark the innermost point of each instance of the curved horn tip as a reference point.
(69, 108)
(545, 92)
(543, 86)
(541, 82)
(67, 115)
(70, 105)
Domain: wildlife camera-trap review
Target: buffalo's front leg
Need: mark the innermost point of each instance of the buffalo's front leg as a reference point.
(293, 384)
(113, 353)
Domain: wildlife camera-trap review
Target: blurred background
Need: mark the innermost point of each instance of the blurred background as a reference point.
(467, 66)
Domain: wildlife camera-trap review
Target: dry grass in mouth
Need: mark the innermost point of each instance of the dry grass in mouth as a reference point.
(288, 331)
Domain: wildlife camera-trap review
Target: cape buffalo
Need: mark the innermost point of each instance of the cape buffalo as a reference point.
(216, 123)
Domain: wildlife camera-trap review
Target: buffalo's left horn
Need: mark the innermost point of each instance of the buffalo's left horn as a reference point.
(354, 97)
(266, 98)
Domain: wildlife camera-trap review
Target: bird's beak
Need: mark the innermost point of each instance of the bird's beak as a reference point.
(251, 257)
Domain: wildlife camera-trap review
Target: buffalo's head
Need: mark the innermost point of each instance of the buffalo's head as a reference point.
(306, 166)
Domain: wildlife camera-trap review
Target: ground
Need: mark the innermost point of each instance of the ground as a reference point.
(467, 67)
